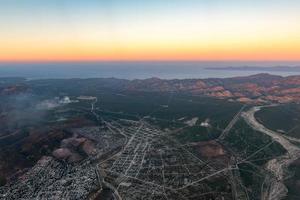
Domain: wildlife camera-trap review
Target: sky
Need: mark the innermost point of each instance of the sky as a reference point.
(96, 30)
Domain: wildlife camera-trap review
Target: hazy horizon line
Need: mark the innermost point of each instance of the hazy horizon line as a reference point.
(147, 61)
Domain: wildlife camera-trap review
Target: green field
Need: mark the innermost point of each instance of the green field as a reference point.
(282, 118)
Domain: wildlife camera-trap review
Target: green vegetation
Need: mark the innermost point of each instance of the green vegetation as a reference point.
(254, 149)
(2, 180)
(169, 107)
(282, 118)
(171, 111)
(253, 145)
(165, 110)
(293, 182)
(252, 178)
(165, 107)
(197, 134)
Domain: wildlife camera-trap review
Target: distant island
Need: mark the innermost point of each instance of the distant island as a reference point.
(258, 68)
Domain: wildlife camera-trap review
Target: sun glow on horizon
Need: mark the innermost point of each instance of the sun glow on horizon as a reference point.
(160, 31)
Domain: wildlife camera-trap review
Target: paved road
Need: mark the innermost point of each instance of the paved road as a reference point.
(231, 124)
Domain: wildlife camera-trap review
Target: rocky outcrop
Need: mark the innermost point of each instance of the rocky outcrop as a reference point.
(258, 88)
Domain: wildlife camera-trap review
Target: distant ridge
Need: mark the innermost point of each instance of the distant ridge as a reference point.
(256, 68)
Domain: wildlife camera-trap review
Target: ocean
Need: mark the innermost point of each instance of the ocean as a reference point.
(137, 70)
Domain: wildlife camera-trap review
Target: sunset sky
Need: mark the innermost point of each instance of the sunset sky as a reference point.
(63, 30)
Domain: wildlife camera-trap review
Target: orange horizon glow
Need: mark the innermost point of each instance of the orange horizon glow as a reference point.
(198, 31)
(223, 49)
(267, 49)
(266, 53)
